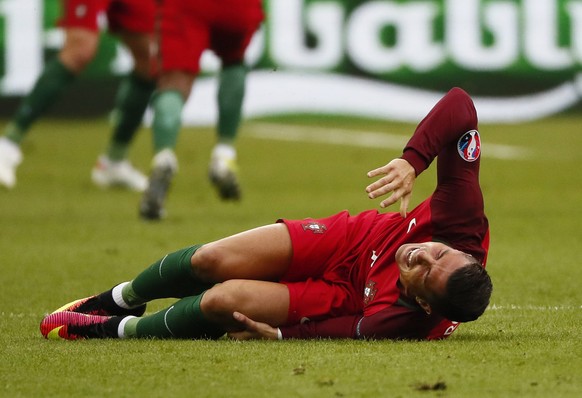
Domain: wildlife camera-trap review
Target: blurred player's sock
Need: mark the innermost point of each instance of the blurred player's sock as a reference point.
(131, 102)
(231, 92)
(54, 79)
(118, 173)
(164, 166)
(223, 172)
(167, 107)
(10, 158)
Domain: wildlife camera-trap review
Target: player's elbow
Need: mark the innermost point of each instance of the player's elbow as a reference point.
(465, 106)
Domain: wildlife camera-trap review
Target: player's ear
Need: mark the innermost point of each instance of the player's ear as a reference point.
(424, 305)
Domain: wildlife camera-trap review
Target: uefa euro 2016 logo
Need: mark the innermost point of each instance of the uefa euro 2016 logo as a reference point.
(469, 146)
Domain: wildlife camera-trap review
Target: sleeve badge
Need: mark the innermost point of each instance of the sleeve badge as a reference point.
(469, 146)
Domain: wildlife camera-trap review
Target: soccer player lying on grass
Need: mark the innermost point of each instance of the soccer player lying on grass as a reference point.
(373, 275)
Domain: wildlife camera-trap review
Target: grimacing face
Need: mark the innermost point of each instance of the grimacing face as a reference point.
(425, 268)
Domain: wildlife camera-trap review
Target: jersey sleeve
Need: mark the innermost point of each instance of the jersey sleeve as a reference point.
(395, 322)
(449, 132)
(448, 120)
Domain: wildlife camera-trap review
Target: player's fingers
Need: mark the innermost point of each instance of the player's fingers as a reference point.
(404, 205)
(384, 185)
(245, 320)
(377, 172)
(382, 190)
(377, 184)
(390, 201)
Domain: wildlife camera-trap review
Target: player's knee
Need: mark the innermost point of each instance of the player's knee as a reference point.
(207, 261)
(77, 59)
(220, 300)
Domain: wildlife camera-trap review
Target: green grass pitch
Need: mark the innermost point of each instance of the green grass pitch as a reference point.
(61, 238)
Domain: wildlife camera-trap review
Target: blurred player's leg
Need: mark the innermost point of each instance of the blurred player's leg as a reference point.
(230, 36)
(113, 168)
(10, 158)
(167, 104)
(164, 166)
(131, 102)
(133, 96)
(167, 107)
(51, 83)
(78, 50)
(223, 165)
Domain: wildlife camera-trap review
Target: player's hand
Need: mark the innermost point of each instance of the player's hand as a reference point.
(252, 330)
(398, 178)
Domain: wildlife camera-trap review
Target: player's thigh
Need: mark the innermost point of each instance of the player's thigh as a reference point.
(262, 253)
(261, 301)
(79, 49)
(139, 44)
(137, 16)
(230, 46)
(182, 40)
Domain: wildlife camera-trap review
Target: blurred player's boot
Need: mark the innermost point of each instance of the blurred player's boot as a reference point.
(10, 158)
(108, 173)
(223, 172)
(74, 325)
(102, 304)
(164, 166)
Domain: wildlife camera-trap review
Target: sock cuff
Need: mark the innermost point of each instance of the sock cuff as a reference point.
(116, 292)
(224, 150)
(121, 326)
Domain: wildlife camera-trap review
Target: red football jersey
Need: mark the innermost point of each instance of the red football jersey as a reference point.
(453, 214)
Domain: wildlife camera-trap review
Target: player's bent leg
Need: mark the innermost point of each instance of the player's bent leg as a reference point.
(262, 253)
(261, 301)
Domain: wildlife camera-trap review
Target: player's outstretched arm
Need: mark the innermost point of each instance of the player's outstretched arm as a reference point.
(398, 177)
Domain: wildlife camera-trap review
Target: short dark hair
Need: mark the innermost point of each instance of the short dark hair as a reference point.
(467, 294)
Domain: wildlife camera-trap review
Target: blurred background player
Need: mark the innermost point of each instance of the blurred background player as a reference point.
(187, 29)
(132, 21)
